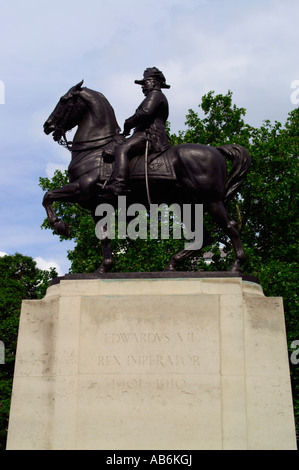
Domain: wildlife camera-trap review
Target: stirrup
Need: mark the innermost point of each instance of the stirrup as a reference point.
(102, 186)
(116, 189)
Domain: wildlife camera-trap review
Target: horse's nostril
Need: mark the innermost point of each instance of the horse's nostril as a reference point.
(48, 127)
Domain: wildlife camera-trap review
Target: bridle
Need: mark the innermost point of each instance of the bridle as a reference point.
(59, 134)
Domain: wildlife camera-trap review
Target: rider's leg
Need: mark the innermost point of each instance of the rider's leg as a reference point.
(133, 146)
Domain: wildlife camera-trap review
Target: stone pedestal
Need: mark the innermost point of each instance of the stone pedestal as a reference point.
(183, 363)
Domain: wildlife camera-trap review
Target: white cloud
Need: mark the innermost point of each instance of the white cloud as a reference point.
(2, 254)
(52, 167)
(41, 263)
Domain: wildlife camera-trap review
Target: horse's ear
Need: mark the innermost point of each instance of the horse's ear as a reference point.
(79, 85)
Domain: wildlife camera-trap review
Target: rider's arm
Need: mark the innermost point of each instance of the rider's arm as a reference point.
(145, 112)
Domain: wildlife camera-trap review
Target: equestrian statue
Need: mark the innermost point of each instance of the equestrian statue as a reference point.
(144, 167)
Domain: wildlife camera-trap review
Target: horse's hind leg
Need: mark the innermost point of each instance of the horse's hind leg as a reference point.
(230, 228)
(107, 262)
(178, 258)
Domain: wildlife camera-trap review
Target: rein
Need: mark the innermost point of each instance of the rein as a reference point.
(69, 143)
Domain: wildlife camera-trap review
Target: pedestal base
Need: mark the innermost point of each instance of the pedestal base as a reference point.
(184, 363)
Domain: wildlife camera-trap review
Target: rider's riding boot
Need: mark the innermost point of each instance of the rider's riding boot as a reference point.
(118, 184)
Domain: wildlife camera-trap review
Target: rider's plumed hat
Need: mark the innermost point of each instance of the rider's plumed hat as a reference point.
(153, 72)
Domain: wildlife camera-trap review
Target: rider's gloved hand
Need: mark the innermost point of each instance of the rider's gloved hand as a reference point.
(127, 127)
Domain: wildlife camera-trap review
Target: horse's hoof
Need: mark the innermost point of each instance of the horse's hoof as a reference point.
(169, 268)
(101, 270)
(236, 268)
(62, 228)
(105, 267)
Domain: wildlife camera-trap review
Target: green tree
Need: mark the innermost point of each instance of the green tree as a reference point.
(19, 279)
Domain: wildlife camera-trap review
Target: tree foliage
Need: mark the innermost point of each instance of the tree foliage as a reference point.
(266, 209)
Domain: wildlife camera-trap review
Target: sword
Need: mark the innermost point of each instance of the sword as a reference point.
(146, 170)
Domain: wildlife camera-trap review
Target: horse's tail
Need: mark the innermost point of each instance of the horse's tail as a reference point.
(241, 162)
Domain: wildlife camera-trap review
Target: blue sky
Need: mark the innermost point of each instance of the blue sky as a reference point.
(46, 47)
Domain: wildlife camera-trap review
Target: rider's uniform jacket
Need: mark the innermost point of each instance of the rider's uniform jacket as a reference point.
(151, 117)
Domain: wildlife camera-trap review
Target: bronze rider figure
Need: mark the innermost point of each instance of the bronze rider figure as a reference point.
(148, 122)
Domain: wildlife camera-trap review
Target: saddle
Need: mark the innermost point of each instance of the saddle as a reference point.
(159, 167)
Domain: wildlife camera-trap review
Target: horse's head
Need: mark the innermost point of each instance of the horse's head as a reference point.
(66, 114)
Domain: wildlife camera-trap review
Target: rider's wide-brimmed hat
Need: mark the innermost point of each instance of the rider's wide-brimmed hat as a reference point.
(153, 72)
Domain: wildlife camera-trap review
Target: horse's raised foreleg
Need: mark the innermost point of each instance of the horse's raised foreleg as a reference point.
(68, 193)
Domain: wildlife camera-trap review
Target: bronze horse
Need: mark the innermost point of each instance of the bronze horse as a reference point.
(200, 171)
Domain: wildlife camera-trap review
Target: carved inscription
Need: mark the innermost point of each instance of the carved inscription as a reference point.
(148, 361)
(162, 361)
(149, 350)
(149, 337)
(139, 383)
